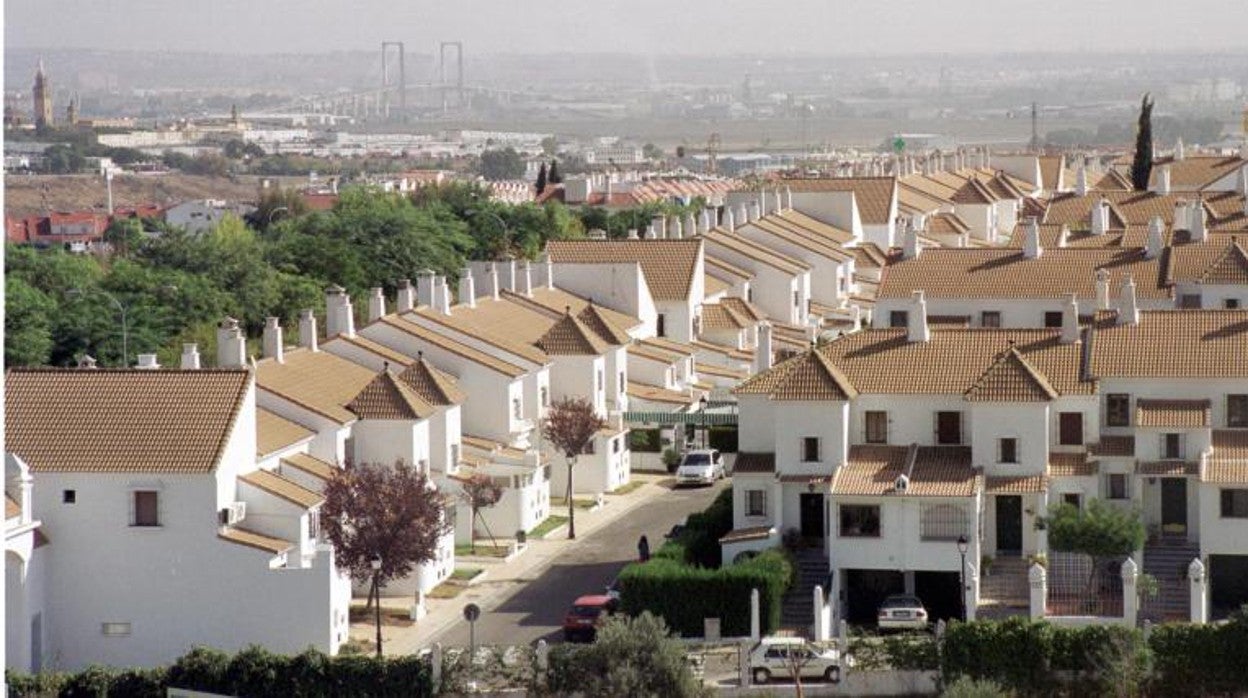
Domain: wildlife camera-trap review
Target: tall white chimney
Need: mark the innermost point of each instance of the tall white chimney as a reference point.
(1181, 221)
(405, 298)
(339, 315)
(1031, 239)
(231, 346)
(762, 352)
(1179, 153)
(1162, 184)
(1100, 217)
(546, 272)
(756, 208)
(704, 223)
(651, 233)
(788, 198)
(491, 281)
(678, 231)
(147, 362)
(1102, 289)
(376, 304)
(1156, 233)
(1081, 180)
(779, 202)
(910, 248)
(1196, 217)
(441, 296)
(659, 223)
(1128, 310)
(632, 234)
(730, 223)
(916, 320)
(1063, 235)
(424, 286)
(273, 346)
(524, 280)
(690, 228)
(190, 356)
(1070, 320)
(467, 289)
(743, 213)
(307, 330)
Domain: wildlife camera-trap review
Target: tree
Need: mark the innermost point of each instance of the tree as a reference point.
(541, 179)
(1099, 530)
(652, 152)
(63, 159)
(124, 234)
(502, 164)
(569, 426)
(479, 491)
(1142, 165)
(27, 325)
(553, 176)
(387, 512)
(550, 146)
(629, 657)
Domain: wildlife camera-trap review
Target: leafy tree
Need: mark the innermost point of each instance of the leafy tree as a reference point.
(1099, 530)
(387, 512)
(126, 156)
(549, 145)
(1142, 164)
(570, 425)
(479, 491)
(275, 204)
(652, 151)
(541, 179)
(27, 324)
(59, 158)
(553, 175)
(502, 164)
(124, 234)
(630, 657)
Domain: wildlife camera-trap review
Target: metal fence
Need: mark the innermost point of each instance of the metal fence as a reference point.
(1078, 586)
(944, 522)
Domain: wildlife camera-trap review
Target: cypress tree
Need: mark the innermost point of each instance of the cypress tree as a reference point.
(1142, 165)
(541, 179)
(554, 177)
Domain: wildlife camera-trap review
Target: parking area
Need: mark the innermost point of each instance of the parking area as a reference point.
(865, 590)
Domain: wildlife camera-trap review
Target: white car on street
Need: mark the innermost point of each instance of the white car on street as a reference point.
(902, 612)
(701, 467)
(776, 657)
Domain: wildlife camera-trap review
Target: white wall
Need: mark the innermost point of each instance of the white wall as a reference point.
(1026, 422)
(823, 420)
(899, 546)
(621, 287)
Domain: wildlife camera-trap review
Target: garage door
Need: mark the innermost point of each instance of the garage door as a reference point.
(939, 593)
(1228, 584)
(866, 589)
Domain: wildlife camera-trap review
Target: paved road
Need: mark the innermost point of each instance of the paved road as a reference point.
(536, 609)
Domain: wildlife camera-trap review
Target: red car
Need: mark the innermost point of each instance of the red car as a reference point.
(586, 614)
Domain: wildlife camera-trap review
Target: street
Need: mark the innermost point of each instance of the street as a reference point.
(536, 608)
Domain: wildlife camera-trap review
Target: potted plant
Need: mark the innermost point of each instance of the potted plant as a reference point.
(985, 564)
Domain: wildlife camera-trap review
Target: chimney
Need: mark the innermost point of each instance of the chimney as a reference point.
(424, 287)
(190, 356)
(1181, 221)
(779, 202)
(1128, 311)
(690, 228)
(762, 352)
(339, 315)
(506, 275)
(1156, 231)
(273, 346)
(1081, 180)
(916, 325)
(1070, 320)
(1178, 150)
(677, 229)
(546, 272)
(231, 346)
(730, 223)
(1196, 217)
(704, 223)
(147, 362)
(632, 232)
(1063, 235)
(1241, 182)
(405, 297)
(743, 213)
(524, 285)
(491, 281)
(756, 209)
(307, 330)
(1162, 184)
(1102, 289)
(467, 289)
(1100, 217)
(659, 223)
(650, 232)
(910, 243)
(441, 296)
(87, 361)
(788, 197)
(376, 304)
(1031, 239)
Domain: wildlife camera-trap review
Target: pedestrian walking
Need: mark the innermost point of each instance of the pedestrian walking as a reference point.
(643, 549)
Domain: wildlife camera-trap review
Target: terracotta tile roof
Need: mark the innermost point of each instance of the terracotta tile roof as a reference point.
(1071, 465)
(1172, 413)
(274, 432)
(11, 508)
(745, 308)
(1019, 484)
(947, 224)
(917, 200)
(677, 350)
(720, 238)
(774, 225)
(869, 255)
(1114, 446)
(452, 346)
(387, 397)
(1172, 468)
(975, 192)
(315, 380)
(712, 285)
(251, 539)
(600, 321)
(728, 352)
(874, 195)
(1130, 207)
(1011, 379)
(871, 470)
(808, 376)
(725, 269)
(1171, 344)
(125, 420)
(933, 471)
(654, 393)
(282, 488)
(668, 265)
(716, 316)
(1051, 167)
(995, 273)
(1197, 171)
(1112, 180)
(568, 336)
(796, 220)
(501, 324)
(754, 463)
(557, 301)
(1218, 261)
(431, 384)
(1051, 237)
(381, 351)
(1229, 462)
(310, 465)
(738, 535)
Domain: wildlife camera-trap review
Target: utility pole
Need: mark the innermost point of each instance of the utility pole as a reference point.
(385, 73)
(1035, 131)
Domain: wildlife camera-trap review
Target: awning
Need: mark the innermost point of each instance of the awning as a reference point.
(711, 419)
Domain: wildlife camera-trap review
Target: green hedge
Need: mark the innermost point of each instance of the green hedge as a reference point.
(252, 672)
(1201, 659)
(644, 440)
(703, 530)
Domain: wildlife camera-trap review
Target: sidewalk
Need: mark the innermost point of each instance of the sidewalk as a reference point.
(502, 579)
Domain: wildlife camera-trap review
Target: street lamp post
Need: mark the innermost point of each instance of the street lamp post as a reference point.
(962, 547)
(705, 436)
(376, 564)
(125, 327)
(501, 221)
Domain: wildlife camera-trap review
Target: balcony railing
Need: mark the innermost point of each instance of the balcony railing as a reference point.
(944, 522)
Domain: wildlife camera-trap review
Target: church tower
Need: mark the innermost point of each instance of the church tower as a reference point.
(42, 93)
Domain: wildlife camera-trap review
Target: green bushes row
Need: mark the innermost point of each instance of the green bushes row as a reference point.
(252, 672)
(703, 529)
(1201, 659)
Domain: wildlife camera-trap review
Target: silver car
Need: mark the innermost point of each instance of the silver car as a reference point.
(902, 612)
(779, 657)
(701, 467)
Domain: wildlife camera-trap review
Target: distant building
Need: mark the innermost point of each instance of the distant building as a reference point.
(42, 95)
(202, 215)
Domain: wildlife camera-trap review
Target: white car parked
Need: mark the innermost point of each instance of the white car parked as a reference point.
(775, 657)
(902, 612)
(701, 467)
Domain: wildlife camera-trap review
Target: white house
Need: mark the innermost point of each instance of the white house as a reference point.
(202, 215)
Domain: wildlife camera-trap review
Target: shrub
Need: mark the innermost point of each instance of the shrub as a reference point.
(643, 440)
(969, 688)
(630, 657)
(1201, 659)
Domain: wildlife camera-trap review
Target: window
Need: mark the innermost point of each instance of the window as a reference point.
(1116, 486)
(755, 503)
(602, 381)
(1053, 318)
(660, 328)
(1070, 428)
(1172, 446)
(69, 496)
(545, 396)
(1118, 410)
(454, 455)
(943, 522)
(615, 445)
(990, 318)
(877, 427)
(1235, 504)
(898, 318)
(314, 525)
(1073, 499)
(1237, 410)
(1189, 301)
(146, 508)
(860, 521)
(1008, 450)
(115, 629)
(621, 388)
(749, 294)
(797, 300)
(1231, 304)
(949, 428)
(810, 449)
(515, 408)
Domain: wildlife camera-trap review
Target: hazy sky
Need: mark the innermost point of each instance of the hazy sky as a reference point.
(633, 26)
